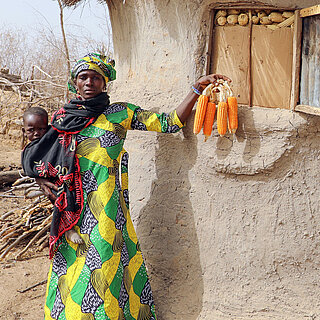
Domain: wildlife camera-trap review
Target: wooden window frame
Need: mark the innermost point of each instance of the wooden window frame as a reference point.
(296, 67)
(297, 46)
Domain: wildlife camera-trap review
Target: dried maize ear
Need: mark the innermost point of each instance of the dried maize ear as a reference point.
(232, 114)
(200, 113)
(222, 118)
(209, 119)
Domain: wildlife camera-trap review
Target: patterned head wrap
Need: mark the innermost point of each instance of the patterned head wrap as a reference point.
(96, 62)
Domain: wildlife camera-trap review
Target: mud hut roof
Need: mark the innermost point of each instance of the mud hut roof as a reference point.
(70, 3)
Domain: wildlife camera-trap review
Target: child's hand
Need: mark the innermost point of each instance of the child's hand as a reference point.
(46, 186)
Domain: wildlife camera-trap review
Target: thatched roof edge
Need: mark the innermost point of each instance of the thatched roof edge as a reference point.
(72, 3)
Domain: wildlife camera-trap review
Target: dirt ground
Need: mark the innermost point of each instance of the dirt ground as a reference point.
(17, 276)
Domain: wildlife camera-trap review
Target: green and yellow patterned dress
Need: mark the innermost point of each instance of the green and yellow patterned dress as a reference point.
(105, 277)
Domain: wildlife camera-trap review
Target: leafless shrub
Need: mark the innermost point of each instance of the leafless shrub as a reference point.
(41, 62)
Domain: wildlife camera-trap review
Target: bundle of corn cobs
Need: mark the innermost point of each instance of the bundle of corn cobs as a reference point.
(216, 96)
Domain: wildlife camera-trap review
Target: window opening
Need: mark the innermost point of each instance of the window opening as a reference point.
(255, 47)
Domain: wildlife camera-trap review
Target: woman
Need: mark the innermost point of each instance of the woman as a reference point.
(105, 277)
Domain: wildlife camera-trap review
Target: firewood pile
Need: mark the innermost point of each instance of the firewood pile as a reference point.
(26, 226)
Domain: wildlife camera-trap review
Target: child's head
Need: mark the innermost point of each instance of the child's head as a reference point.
(35, 123)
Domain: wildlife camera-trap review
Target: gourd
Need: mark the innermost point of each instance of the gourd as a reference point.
(221, 21)
(200, 113)
(276, 17)
(255, 19)
(287, 14)
(243, 19)
(232, 19)
(261, 14)
(221, 13)
(265, 20)
(233, 11)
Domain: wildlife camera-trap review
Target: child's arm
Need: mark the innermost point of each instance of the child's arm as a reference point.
(47, 187)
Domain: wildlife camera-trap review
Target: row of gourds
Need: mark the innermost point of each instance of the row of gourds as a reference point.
(216, 98)
(233, 17)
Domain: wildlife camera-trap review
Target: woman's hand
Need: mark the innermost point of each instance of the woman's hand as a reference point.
(204, 81)
(46, 186)
(185, 107)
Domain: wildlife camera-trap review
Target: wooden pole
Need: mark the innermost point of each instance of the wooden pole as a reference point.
(64, 42)
(250, 60)
(295, 77)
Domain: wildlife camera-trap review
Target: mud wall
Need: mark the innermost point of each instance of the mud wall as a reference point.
(229, 227)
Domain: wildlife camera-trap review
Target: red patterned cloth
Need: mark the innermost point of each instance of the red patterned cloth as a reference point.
(53, 157)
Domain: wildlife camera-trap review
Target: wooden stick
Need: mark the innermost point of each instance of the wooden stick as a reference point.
(306, 12)
(33, 286)
(33, 194)
(44, 245)
(36, 237)
(9, 176)
(41, 240)
(4, 245)
(20, 180)
(6, 232)
(210, 41)
(296, 61)
(10, 196)
(24, 186)
(24, 235)
(10, 234)
(7, 214)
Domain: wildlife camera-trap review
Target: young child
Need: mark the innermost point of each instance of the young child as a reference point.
(35, 125)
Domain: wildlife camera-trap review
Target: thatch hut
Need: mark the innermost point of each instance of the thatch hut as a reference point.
(229, 227)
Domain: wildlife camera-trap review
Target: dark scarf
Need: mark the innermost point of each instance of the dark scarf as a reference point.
(53, 157)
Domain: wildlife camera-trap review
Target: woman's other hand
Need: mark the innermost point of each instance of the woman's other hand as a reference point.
(46, 186)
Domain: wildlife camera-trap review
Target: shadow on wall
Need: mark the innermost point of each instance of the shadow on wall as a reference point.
(253, 142)
(167, 231)
(246, 132)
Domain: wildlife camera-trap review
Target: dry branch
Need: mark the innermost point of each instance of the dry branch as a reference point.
(33, 240)
(41, 89)
(14, 244)
(33, 286)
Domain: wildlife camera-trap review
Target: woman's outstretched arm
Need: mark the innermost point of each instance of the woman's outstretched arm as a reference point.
(186, 106)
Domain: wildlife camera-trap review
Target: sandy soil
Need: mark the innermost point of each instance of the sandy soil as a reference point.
(17, 276)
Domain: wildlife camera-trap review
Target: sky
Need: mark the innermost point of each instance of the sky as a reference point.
(35, 14)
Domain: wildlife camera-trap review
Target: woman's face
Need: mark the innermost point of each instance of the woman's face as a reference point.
(89, 84)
